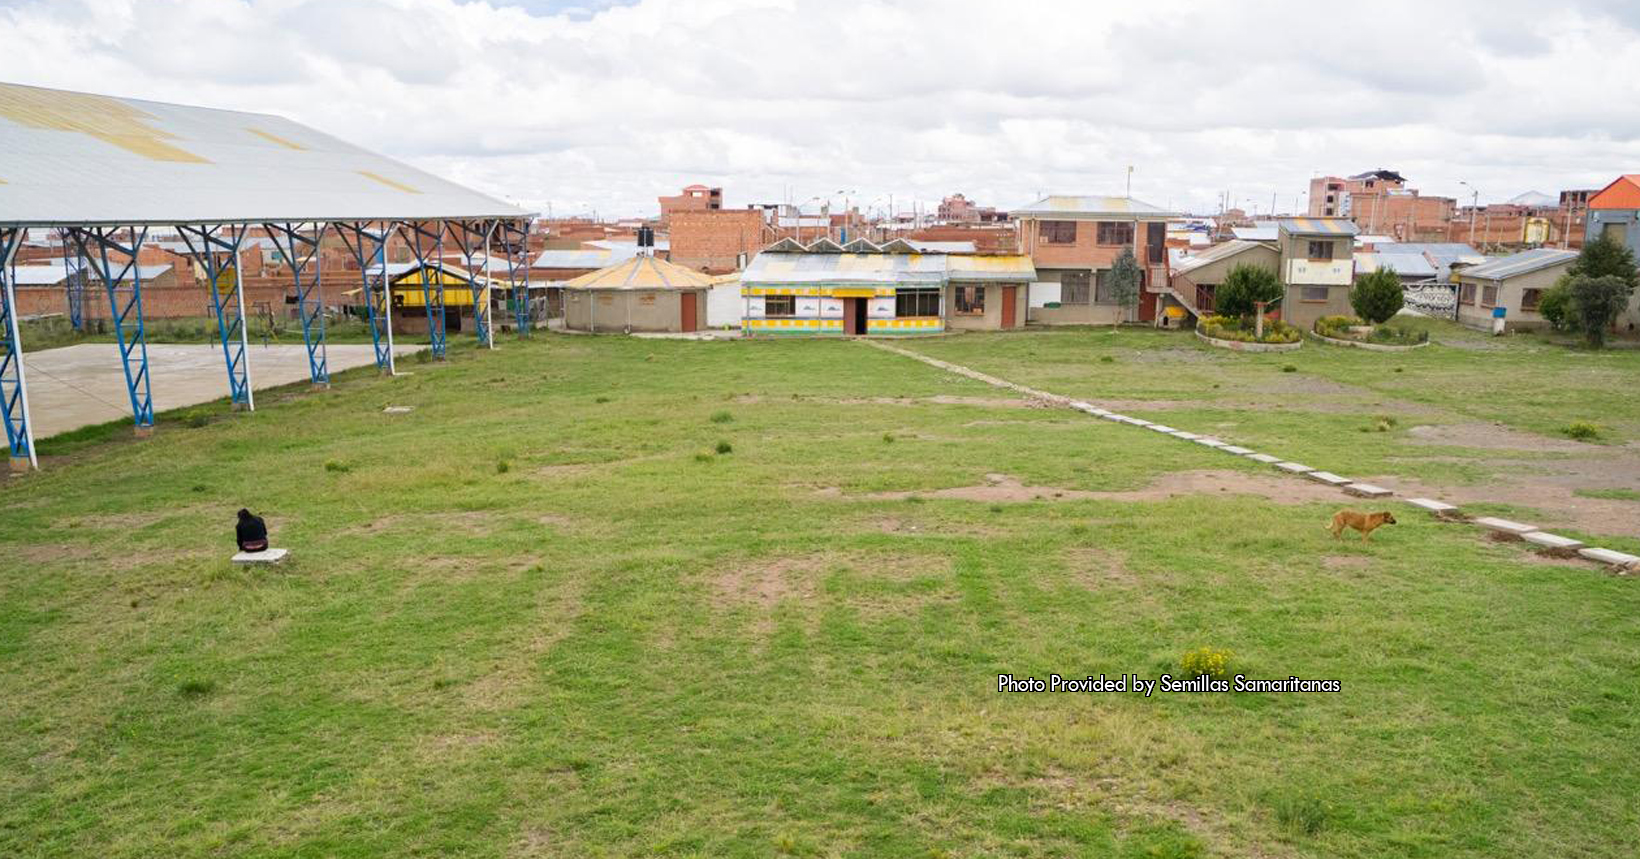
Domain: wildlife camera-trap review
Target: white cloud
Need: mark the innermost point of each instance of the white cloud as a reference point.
(603, 105)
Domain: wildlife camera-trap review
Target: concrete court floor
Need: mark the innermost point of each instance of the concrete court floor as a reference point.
(80, 385)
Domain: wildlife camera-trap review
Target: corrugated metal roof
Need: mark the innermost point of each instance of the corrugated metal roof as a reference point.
(1513, 265)
(397, 270)
(1006, 268)
(77, 159)
(55, 273)
(1404, 264)
(1080, 206)
(645, 272)
(1256, 233)
(1318, 226)
(942, 247)
(1622, 193)
(584, 257)
(1213, 254)
(780, 269)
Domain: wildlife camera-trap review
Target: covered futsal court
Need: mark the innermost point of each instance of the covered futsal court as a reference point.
(103, 174)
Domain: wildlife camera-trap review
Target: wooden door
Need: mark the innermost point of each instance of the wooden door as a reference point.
(851, 314)
(689, 311)
(1010, 294)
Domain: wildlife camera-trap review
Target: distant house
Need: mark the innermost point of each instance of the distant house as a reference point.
(406, 281)
(1513, 284)
(1614, 212)
(1073, 241)
(891, 289)
(642, 294)
(1196, 278)
(1417, 262)
(1317, 268)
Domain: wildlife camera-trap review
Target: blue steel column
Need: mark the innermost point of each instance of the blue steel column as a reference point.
(471, 244)
(76, 282)
(515, 239)
(13, 383)
(378, 309)
(220, 258)
(429, 268)
(129, 329)
(306, 266)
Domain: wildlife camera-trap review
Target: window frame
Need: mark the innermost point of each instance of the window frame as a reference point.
(961, 306)
(917, 297)
(788, 300)
(1467, 292)
(1304, 293)
(1536, 296)
(1119, 228)
(1051, 232)
(1100, 293)
(1084, 285)
(1320, 243)
(1492, 290)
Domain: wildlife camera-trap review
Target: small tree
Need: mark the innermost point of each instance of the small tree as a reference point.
(1605, 257)
(1555, 305)
(1596, 301)
(1377, 296)
(1243, 288)
(1124, 283)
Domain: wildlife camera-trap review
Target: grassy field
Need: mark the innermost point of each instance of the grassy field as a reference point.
(615, 597)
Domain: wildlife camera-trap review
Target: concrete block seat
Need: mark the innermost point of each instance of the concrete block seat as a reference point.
(266, 556)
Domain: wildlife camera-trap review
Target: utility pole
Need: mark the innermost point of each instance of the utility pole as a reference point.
(1130, 181)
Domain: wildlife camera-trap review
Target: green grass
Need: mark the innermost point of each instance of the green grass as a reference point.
(622, 644)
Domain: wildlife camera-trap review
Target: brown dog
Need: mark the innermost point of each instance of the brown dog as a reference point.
(1366, 523)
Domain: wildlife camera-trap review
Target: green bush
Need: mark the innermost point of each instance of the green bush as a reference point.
(1397, 335)
(1378, 295)
(1241, 330)
(1582, 430)
(1555, 305)
(1243, 287)
(1595, 304)
(724, 447)
(1336, 327)
(722, 417)
(1211, 662)
(1303, 815)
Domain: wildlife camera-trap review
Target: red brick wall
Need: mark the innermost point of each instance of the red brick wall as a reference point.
(712, 241)
(985, 239)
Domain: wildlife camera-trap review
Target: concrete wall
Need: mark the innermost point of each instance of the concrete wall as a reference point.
(1296, 310)
(1089, 313)
(991, 319)
(614, 310)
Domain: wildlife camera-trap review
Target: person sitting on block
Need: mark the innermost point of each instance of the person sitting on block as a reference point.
(252, 532)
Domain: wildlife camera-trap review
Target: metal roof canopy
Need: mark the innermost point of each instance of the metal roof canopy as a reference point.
(79, 160)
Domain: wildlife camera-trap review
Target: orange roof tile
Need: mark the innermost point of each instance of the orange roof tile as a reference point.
(1624, 193)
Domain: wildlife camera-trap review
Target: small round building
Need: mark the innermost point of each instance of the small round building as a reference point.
(641, 294)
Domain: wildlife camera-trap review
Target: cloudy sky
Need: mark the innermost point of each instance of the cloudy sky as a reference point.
(601, 105)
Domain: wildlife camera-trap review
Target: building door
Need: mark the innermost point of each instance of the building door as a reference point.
(1010, 294)
(854, 317)
(690, 308)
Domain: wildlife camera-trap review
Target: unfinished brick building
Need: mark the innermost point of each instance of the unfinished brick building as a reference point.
(718, 241)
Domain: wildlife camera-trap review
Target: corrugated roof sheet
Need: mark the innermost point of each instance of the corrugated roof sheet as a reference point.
(780, 269)
(1005, 268)
(1622, 193)
(1256, 233)
(1073, 206)
(584, 257)
(76, 158)
(1213, 254)
(942, 247)
(1318, 226)
(1513, 265)
(644, 272)
(1404, 264)
(55, 273)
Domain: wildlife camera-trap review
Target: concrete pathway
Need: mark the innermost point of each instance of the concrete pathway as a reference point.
(81, 385)
(1620, 562)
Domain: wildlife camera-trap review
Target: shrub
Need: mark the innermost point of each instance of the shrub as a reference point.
(1241, 330)
(502, 466)
(194, 688)
(1286, 368)
(1304, 815)
(338, 466)
(723, 446)
(1595, 304)
(1397, 335)
(1555, 305)
(1606, 257)
(1106, 359)
(722, 417)
(1211, 662)
(888, 438)
(1582, 430)
(1124, 282)
(1243, 287)
(1336, 327)
(1377, 296)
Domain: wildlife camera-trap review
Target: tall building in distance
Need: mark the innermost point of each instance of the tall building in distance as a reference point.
(1380, 203)
(695, 198)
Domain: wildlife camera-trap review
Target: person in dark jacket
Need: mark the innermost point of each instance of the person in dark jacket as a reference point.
(252, 532)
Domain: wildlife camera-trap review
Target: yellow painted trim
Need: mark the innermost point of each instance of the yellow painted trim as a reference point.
(274, 138)
(388, 182)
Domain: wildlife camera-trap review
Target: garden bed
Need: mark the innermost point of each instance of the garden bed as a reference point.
(1237, 335)
(1350, 331)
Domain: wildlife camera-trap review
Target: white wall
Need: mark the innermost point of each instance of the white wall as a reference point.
(724, 305)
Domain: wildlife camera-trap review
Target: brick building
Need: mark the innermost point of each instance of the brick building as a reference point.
(957, 209)
(1380, 203)
(1074, 240)
(718, 241)
(695, 198)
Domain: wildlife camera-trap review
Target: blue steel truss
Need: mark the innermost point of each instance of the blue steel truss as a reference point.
(124, 305)
(370, 249)
(301, 253)
(515, 242)
(475, 237)
(13, 385)
(76, 281)
(420, 240)
(216, 249)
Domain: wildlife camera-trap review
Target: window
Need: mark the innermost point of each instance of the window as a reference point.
(1059, 232)
(1613, 231)
(1313, 293)
(1073, 287)
(1115, 232)
(970, 300)
(1321, 250)
(1103, 293)
(780, 305)
(1529, 298)
(1489, 295)
(917, 302)
(1466, 293)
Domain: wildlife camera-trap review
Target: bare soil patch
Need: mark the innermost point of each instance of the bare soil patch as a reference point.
(1491, 437)
(1001, 488)
(1096, 568)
